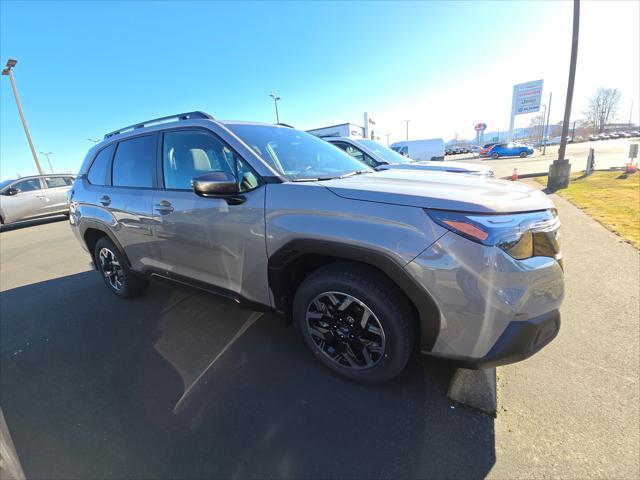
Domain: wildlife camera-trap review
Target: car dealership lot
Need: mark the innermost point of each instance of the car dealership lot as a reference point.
(609, 153)
(179, 384)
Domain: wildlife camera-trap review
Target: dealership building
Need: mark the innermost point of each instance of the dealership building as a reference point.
(370, 130)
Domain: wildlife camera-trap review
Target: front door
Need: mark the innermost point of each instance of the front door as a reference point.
(207, 241)
(29, 202)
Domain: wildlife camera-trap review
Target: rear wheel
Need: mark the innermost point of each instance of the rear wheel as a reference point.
(115, 272)
(355, 321)
(495, 155)
(523, 154)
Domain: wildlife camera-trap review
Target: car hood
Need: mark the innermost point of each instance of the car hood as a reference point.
(445, 166)
(440, 190)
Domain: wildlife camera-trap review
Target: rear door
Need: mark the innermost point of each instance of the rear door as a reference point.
(128, 198)
(56, 193)
(208, 241)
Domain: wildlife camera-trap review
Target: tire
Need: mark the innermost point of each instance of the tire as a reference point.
(495, 156)
(336, 336)
(523, 154)
(115, 271)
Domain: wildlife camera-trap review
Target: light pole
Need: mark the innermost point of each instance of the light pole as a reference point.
(275, 101)
(560, 169)
(546, 128)
(94, 140)
(46, 154)
(407, 126)
(630, 114)
(8, 70)
(387, 135)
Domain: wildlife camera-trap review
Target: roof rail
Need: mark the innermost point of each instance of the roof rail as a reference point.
(179, 116)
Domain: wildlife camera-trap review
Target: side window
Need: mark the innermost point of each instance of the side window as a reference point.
(134, 162)
(28, 185)
(53, 182)
(189, 153)
(69, 180)
(353, 151)
(99, 168)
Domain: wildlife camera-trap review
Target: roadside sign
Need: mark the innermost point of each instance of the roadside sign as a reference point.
(480, 127)
(633, 151)
(494, 139)
(527, 97)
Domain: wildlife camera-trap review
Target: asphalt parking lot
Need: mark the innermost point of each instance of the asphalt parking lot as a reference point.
(97, 387)
(180, 384)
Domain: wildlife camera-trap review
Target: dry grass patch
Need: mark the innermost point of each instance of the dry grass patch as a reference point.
(612, 198)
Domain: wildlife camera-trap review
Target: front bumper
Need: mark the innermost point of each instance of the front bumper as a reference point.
(493, 309)
(519, 341)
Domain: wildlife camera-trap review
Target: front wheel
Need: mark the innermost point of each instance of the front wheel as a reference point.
(355, 321)
(523, 154)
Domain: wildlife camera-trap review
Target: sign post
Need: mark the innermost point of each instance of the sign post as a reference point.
(526, 99)
(479, 128)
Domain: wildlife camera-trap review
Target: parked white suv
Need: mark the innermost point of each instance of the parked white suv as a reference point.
(34, 197)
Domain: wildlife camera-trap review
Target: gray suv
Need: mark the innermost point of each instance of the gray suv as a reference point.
(369, 265)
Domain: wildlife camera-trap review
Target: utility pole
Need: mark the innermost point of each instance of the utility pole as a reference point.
(407, 125)
(546, 128)
(46, 154)
(560, 169)
(630, 114)
(573, 131)
(387, 135)
(275, 101)
(8, 70)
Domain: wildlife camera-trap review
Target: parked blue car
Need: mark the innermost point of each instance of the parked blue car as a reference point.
(509, 150)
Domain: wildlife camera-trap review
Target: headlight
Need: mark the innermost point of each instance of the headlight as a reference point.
(521, 235)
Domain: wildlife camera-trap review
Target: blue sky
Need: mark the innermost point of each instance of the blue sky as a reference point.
(85, 68)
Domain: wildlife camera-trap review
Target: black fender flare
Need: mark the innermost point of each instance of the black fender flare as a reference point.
(88, 224)
(428, 313)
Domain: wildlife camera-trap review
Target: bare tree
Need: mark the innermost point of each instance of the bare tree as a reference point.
(602, 107)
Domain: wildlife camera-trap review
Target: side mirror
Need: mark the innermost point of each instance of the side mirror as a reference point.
(13, 191)
(215, 184)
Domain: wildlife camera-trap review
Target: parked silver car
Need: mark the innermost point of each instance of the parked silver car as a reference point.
(33, 197)
(370, 265)
(380, 157)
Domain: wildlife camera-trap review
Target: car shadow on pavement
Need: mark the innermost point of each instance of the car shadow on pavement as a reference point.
(180, 384)
(33, 223)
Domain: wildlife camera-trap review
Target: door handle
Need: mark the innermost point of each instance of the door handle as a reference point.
(105, 200)
(164, 207)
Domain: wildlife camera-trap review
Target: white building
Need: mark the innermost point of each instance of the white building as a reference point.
(370, 130)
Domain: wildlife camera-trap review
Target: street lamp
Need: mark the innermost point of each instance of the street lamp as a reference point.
(407, 125)
(560, 169)
(46, 154)
(275, 101)
(8, 70)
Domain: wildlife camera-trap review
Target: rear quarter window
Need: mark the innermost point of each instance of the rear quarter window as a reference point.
(100, 167)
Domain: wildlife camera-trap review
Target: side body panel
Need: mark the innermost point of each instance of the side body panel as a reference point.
(310, 211)
(210, 241)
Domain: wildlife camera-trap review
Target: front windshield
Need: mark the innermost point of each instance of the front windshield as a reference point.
(295, 154)
(388, 155)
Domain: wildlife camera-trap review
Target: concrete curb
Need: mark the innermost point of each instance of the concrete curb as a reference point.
(10, 467)
(475, 389)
